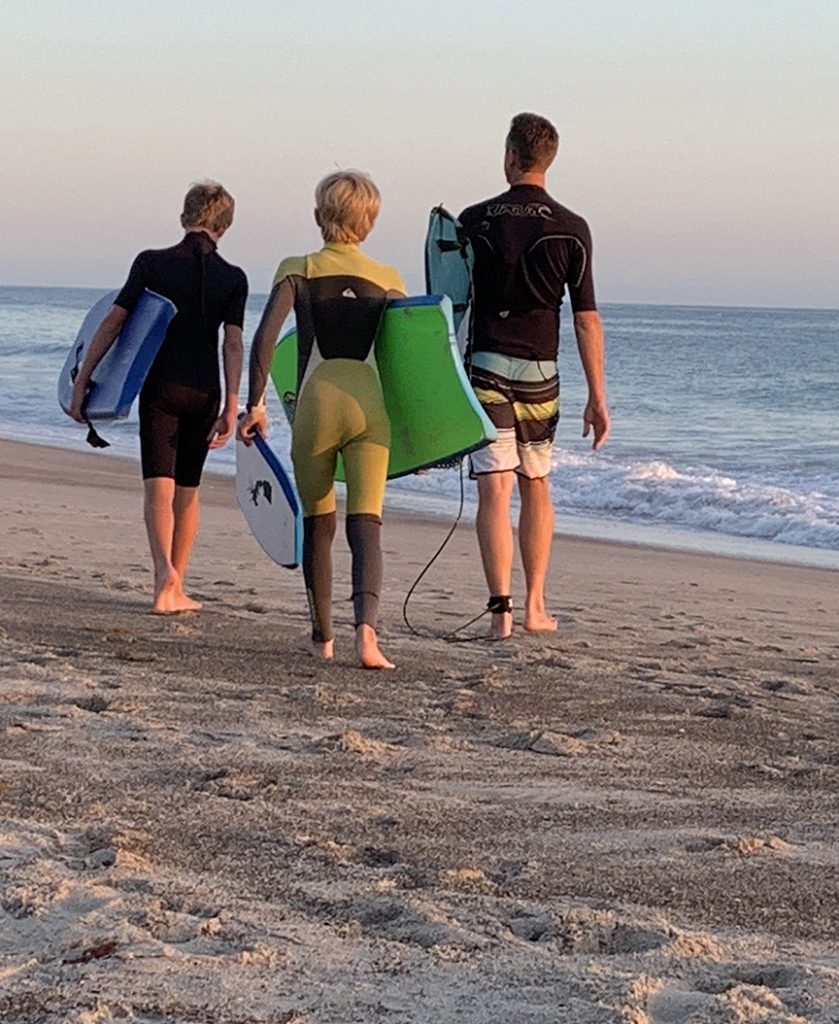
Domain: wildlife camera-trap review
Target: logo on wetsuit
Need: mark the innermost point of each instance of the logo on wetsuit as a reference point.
(519, 210)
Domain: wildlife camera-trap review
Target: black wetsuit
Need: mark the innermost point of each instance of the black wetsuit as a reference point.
(528, 248)
(180, 399)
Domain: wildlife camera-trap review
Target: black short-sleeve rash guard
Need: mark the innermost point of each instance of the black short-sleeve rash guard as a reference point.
(207, 291)
(528, 249)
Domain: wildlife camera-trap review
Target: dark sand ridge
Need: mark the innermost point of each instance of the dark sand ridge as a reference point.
(633, 820)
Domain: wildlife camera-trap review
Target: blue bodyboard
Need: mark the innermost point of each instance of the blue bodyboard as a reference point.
(448, 262)
(117, 379)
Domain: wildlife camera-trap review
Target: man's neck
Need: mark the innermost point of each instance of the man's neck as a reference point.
(527, 178)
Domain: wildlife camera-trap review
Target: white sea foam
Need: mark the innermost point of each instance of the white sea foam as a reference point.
(657, 493)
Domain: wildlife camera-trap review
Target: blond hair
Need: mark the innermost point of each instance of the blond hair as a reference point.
(347, 204)
(208, 205)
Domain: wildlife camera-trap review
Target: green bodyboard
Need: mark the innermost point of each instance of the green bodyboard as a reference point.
(434, 414)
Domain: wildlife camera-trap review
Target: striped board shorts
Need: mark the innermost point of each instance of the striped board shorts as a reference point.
(521, 398)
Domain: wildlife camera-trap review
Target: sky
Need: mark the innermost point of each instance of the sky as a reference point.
(700, 141)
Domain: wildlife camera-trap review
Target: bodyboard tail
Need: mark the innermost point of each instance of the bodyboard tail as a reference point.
(448, 262)
(118, 378)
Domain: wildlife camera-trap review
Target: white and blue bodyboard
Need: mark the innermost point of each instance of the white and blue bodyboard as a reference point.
(448, 262)
(269, 502)
(118, 378)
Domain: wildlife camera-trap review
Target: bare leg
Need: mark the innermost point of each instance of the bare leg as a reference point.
(367, 648)
(536, 525)
(187, 515)
(495, 538)
(159, 515)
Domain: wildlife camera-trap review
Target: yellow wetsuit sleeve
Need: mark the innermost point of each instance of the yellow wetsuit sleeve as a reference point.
(397, 284)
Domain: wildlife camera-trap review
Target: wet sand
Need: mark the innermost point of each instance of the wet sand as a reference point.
(634, 820)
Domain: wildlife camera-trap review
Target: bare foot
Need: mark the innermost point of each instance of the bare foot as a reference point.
(182, 603)
(325, 650)
(169, 598)
(166, 589)
(367, 649)
(502, 625)
(540, 622)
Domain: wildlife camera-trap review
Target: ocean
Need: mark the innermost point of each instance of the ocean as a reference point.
(725, 433)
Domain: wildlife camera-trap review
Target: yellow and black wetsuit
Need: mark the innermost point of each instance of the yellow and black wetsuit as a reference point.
(338, 295)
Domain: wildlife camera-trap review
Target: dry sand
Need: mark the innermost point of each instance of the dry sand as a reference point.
(632, 821)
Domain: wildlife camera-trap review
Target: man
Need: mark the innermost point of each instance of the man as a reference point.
(181, 411)
(528, 249)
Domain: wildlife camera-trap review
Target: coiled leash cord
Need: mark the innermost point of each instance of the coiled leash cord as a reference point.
(495, 604)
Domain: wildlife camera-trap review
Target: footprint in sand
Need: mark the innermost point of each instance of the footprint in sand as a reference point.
(582, 930)
(556, 744)
(710, 991)
(784, 686)
(96, 705)
(415, 922)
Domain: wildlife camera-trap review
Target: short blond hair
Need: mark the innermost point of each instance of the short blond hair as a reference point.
(208, 205)
(347, 204)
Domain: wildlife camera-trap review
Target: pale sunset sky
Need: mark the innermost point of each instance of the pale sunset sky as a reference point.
(700, 141)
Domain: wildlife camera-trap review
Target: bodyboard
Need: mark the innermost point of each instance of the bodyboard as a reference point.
(448, 262)
(269, 502)
(434, 414)
(117, 379)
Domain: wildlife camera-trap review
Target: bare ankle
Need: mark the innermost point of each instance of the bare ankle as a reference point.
(536, 617)
(324, 649)
(167, 585)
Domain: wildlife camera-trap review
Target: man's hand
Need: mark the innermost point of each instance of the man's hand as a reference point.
(596, 418)
(223, 429)
(253, 422)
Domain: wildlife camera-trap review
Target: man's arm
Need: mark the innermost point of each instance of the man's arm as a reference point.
(233, 354)
(106, 334)
(589, 331)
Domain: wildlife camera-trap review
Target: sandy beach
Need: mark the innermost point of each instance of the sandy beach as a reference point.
(634, 820)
